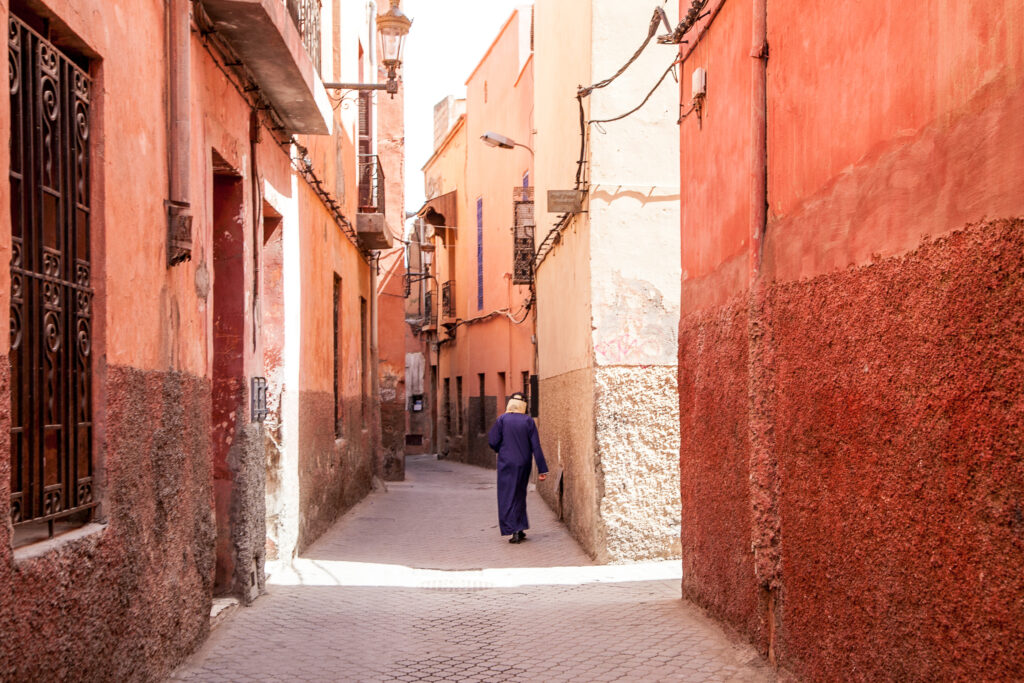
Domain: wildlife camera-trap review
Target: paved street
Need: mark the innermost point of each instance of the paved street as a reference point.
(416, 584)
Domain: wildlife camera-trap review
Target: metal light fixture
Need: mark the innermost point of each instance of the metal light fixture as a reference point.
(392, 27)
(492, 139)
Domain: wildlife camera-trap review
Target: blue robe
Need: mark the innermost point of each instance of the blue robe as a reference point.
(514, 437)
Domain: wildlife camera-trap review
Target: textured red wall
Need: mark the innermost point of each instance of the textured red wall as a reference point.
(900, 426)
(140, 584)
(718, 565)
(852, 420)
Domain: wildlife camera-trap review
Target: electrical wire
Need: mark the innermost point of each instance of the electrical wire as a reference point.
(652, 29)
(646, 99)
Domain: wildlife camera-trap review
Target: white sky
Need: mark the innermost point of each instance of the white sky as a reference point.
(447, 40)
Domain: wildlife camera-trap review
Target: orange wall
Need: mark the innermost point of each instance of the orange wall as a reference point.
(475, 171)
(912, 106)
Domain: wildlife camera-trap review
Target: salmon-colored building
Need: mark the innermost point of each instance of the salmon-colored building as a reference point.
(187, 385)
(851, 345)
(480, 308)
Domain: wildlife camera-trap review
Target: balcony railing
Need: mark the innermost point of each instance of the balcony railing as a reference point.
(448, 299)
(371, 184)
(306, 15)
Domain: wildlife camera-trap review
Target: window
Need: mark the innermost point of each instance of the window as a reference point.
(526, 385)
(483, 409)
(526, 178)
(460, 421)
(51, 284)
(339, 417)
(502, 389)
(480, 254)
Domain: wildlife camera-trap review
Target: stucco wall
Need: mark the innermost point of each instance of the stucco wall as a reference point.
(898, 428)
(567, 435)
(637, 445)
(83, 607)
(607, 291)
(850, 465)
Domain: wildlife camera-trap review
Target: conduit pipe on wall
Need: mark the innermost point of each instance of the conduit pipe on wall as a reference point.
(377, 435)
(759, 137)
(179, 131)
(765, 522)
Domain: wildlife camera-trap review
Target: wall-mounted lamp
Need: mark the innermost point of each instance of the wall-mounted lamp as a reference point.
(392, 27)
(495, 140)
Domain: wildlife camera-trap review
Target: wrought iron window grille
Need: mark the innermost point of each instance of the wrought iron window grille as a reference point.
(51, 282)
(522, 235)
(429, 314)
(448, 299)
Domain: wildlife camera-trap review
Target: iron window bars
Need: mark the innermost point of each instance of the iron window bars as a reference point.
(448, 299)
(51, 291)
(522, 235)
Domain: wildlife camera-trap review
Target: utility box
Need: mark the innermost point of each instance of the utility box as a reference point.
(699, 82)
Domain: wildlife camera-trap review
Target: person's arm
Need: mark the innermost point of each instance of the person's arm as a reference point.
(538, 452)
(494, 437)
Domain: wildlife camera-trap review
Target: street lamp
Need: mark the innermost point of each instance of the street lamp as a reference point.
(392, 27)
(492, 139)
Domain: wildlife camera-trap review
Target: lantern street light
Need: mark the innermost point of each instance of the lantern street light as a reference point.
(392, 27)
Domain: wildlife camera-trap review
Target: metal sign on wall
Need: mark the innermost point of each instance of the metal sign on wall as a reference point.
(565, 201)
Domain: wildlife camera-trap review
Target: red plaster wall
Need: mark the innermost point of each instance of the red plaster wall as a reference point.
(718, 569)
(873, 397)
(900, 427)
(141, 583)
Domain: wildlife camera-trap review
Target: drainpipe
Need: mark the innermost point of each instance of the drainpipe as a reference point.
(374, 367)
(765, 522)
(179, 134)
(759, 138)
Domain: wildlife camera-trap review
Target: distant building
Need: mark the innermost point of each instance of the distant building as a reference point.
(477, 313)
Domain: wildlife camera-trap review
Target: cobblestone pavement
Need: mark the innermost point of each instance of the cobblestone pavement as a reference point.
(415, 584)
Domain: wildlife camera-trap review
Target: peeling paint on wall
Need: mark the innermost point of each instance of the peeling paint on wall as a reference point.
(632, 323)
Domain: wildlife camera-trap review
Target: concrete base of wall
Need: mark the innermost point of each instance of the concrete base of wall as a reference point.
(85, 605)
(611, 439)
(334, 474)
(637, 411)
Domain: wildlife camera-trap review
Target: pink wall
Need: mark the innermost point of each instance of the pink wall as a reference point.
(851, 412)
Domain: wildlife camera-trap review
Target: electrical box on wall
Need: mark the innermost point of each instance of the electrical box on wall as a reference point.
(699, 84)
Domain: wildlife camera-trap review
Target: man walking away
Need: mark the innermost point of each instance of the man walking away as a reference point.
(514, 437)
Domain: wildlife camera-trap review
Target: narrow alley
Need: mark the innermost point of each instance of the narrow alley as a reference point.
(416, 584)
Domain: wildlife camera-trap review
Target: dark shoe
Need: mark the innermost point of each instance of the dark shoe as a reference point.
(522, 536)
(514, 538)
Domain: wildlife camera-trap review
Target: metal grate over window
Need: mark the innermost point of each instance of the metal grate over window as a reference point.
(448, 299)
(522, 235)
(51, 290)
